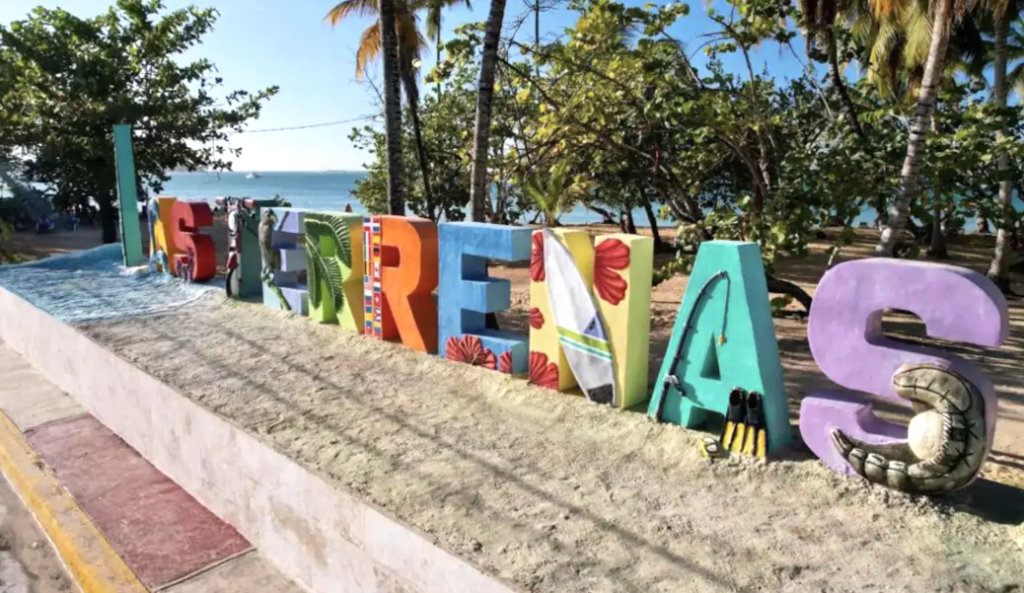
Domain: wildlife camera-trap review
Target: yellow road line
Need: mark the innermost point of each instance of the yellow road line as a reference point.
(91, 561)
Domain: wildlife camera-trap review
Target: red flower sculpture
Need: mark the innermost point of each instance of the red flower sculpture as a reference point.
(536, 318)
(543, 373)
(609, 256)
(537, 258)
(505, 363)
(469, 350)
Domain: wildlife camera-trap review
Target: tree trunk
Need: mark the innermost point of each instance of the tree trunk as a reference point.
(840, 85)
(998, 270)
(780, 286)
(630, 223)
(938, 243)
(108, 216)
(478, 191)
(412, 93)
(606, 216)
(899, 210)
(982, 225)
(654, 224)
(536, 39)
(392, 106)
(437, 43)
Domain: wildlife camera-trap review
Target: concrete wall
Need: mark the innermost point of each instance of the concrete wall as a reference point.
(316, 533)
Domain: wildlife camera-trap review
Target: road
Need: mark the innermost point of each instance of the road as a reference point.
(27, 562)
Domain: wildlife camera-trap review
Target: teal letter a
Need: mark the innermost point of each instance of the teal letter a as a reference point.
(723, 338)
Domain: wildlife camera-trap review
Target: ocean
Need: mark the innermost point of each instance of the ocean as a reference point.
(328, 190)
(331, 190)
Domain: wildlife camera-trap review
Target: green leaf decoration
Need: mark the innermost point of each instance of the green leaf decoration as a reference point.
(325, 272)
(314, 267)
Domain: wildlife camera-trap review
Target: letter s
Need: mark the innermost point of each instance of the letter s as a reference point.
(846, 339)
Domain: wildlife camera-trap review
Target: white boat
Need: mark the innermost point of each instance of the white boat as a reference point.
(580, 330)
(253, 176)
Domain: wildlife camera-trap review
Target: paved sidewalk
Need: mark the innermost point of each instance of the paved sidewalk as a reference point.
(116, 522)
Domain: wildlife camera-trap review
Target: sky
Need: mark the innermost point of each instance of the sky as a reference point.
(259, 43)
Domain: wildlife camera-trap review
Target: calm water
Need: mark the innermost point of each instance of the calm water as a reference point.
(91, 284)
(329, 190)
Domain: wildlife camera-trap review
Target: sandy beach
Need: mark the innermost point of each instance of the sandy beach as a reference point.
(557, 495)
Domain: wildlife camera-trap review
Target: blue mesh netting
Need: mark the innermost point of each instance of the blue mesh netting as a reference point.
(92, 284)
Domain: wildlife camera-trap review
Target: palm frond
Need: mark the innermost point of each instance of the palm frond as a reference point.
(344, 9)
(324, 270)
(369, 49)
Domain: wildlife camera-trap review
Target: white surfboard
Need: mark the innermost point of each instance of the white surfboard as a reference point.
(580, 330)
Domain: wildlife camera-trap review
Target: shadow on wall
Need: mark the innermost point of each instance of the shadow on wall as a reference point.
(463, 497)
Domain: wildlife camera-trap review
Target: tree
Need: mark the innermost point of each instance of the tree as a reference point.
(389, 45)
(445, 121)
(73, 79)
(899, 211)
(479, 194)
(819, 24)
(998, 270)
(435, 14)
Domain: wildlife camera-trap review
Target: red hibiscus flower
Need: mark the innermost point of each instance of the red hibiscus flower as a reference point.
(542, 373)
(469, 350)
(536, 318)
(609, 256)
(537, 258)
(505, 362)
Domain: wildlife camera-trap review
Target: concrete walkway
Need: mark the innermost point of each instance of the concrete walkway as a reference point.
(116, 522)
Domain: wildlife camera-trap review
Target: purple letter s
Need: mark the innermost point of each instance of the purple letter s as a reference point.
(845, 335)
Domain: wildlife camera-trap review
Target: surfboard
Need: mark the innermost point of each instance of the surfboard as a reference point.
(580, 331)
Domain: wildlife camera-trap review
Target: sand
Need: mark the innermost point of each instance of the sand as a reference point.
(557, 495)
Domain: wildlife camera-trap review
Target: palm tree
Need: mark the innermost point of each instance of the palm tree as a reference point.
(1002, 11)
(899, 210)
(478, 189)
(819, 21)
(435, 9)
(408, 43)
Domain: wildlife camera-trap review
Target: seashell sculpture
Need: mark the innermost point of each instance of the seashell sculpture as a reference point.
(947, 440)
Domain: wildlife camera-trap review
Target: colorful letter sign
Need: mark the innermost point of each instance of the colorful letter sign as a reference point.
(846, 339)
(399, 279)
(194, 257)
(161, 237)
(334, 256)
(466, 294)
(619, 271)
(288, 242)
(723, 339)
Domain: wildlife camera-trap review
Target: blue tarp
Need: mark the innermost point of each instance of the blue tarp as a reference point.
(92, 284)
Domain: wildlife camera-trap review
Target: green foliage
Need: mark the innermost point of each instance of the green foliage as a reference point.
(614, 115)
(67, 80)
(324, 270)
(446, 122)
(558, 194)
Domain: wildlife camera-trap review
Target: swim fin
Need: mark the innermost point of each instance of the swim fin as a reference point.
(733, 419)
(731, 429)
(756, 443)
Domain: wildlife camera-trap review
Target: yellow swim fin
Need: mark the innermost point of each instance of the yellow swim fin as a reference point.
(757, 435)
(734, 420)
(736, 446)
(761, 447)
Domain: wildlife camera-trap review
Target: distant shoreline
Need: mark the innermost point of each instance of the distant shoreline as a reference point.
(262, 172)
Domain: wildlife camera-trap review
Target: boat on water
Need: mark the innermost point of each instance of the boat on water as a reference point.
(253, 176)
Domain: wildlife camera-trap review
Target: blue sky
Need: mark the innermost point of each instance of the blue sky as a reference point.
(259, 43)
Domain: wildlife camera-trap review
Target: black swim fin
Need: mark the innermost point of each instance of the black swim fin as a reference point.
(732, 430)
(756, 443)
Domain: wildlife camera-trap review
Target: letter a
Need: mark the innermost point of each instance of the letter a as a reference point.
(723, 339)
